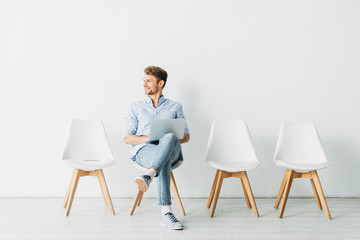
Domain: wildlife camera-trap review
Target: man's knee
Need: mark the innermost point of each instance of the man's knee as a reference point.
(170, 137)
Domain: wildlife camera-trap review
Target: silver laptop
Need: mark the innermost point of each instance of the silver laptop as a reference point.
(160, 127)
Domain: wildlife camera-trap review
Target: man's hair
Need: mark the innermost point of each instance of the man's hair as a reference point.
(157, 72)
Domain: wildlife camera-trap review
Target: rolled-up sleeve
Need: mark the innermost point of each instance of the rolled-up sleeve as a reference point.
(180, 114)
(131, 122)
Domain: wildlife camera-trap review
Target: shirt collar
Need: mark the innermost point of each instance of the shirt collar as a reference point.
(161, 99)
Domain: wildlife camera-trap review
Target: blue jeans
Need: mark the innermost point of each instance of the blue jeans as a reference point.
(161, 155)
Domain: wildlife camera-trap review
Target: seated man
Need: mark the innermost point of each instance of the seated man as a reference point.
(156, 156)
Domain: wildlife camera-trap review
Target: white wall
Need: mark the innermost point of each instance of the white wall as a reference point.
(262, 61)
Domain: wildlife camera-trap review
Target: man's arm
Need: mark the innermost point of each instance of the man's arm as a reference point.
(180, 114)
(131, 125)
(185, 139)
(135, 139)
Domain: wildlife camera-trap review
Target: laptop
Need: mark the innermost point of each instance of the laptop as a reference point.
(160, 127)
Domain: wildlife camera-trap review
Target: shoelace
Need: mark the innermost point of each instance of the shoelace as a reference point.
(172, 217)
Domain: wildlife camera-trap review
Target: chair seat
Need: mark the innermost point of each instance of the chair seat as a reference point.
(302, 166)
(234, 166)
(89, 165)
(141, 168)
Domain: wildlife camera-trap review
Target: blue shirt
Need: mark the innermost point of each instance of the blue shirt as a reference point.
(140, 114)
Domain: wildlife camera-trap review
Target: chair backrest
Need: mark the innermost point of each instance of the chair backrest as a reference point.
(299, 143)
(87, 140)
(230, 141)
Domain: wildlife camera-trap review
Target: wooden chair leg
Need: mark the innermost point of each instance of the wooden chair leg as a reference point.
(105, 190)
(250, 194)
(136, 201)
(69, 188)
(316, 194)
(140, 198)
(286, 192)
(217, 192)
(281, 191)
(176, 193)
(72, 191)
(97, 173)
(212, 190)
(320, 191)
(245, 194)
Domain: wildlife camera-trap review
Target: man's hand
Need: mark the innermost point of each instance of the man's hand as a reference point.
(135, 139)
(185, 139)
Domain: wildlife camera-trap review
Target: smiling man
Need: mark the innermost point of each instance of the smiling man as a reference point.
(156, 156)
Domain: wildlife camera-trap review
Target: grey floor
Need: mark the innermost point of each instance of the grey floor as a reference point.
(43, 218)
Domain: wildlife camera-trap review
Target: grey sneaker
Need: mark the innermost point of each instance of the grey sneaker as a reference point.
(143, 182)
(171, 222)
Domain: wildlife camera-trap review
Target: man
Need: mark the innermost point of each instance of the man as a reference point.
(156, 156)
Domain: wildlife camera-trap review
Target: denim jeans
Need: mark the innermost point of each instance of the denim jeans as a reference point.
(161, 155)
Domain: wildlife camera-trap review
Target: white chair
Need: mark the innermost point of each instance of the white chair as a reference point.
(300, 152)
(87, 151)
(231, 152)
(173, 187)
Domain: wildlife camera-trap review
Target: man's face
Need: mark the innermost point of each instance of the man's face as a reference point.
(151, 86)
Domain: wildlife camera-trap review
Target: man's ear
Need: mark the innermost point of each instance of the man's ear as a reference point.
(161, 83)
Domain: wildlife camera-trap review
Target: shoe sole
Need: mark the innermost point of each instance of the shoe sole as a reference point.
(179, 228)
(141, 184)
